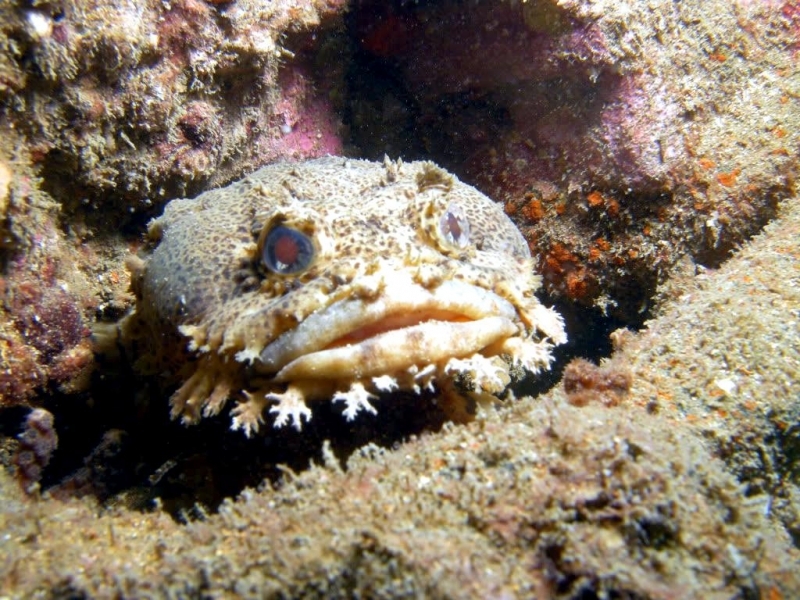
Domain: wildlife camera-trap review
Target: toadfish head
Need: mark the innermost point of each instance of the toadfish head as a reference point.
(341, 279)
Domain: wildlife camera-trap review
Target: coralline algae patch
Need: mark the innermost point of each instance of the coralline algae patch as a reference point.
(663, 132)
(49, 297)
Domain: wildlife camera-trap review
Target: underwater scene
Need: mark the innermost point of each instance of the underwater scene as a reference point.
(400, 299)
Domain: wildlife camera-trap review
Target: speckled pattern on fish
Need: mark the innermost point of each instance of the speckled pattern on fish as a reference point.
(336, 279)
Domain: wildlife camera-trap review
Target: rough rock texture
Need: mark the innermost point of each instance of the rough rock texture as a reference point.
(724, 358)
(37, 442)
(621, 136)
(540, 499)
(127, 104)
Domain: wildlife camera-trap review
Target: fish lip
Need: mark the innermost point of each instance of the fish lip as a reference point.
(398, 350)
(401, 301)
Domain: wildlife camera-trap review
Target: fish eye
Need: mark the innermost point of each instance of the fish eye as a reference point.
(454, 226)
(287, 251)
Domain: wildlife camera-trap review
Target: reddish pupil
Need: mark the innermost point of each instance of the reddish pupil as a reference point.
(286, 250)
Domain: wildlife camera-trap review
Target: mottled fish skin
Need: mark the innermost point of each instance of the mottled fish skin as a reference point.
(335, 279)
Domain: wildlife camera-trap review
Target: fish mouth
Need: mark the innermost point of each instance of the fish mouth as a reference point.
(405, 325)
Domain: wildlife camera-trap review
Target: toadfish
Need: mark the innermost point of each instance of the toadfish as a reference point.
(335, 279)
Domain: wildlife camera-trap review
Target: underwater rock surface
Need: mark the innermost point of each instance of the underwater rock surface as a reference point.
(632, 142)
(127, 104)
